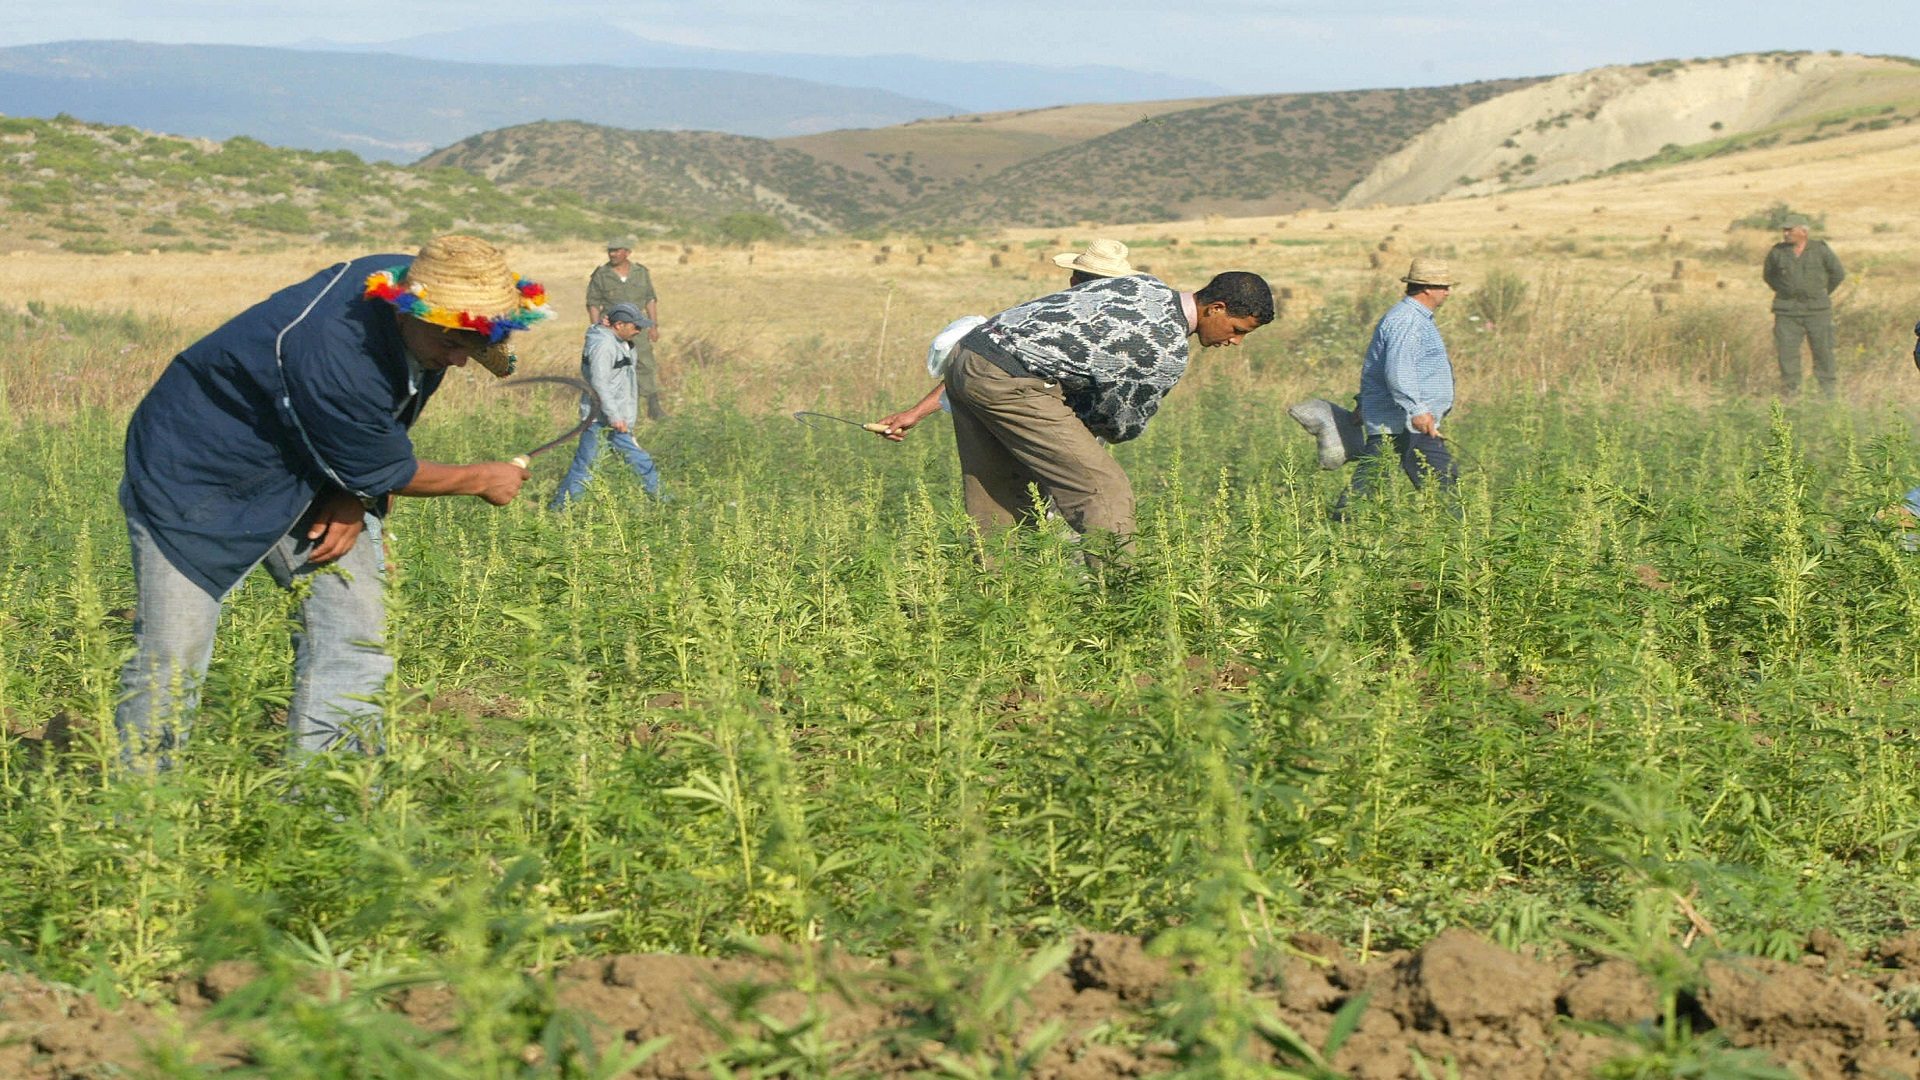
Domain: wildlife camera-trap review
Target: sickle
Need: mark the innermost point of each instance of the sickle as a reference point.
(594, 412)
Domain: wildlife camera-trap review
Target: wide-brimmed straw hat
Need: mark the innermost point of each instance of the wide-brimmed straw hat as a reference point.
(463, 283)
(1425, 271)
(1103, 258)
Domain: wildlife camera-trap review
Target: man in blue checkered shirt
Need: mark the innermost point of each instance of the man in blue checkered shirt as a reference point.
(1406, 385)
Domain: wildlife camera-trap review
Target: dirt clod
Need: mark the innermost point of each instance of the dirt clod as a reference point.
(1460, 999)
(1610, 992)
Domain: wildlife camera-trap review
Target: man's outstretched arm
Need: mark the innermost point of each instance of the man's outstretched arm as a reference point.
(495, 481)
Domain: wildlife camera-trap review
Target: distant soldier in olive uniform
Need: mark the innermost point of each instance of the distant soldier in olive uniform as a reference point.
(621, 281)
(1803, 274)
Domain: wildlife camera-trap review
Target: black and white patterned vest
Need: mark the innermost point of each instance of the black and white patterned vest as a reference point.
(1115, 345)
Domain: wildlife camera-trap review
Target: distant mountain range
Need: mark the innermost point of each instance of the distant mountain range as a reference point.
(396, 108)
(974, 86)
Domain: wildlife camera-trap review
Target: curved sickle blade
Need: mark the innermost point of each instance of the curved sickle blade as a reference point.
(806, 416)
(594, 412)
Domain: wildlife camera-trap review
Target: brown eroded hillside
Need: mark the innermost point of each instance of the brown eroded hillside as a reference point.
(1644, 115)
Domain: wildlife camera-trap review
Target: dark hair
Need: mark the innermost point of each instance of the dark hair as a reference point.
(1243, 293)
(1414, 288)
(1081, 277)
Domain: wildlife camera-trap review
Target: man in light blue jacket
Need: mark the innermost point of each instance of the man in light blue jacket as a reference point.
(607, 363)
(1406, 385)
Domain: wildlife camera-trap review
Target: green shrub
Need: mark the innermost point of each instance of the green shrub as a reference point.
(743, 228)
(280, 217)
(1498, 301)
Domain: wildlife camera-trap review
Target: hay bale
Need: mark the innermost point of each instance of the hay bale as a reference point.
(1667, 288)
(1254, 241)
(880, 258)
(1373, 260)
(995, 261)
(1681, 267)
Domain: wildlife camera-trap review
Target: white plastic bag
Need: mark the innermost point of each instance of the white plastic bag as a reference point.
(940, 353)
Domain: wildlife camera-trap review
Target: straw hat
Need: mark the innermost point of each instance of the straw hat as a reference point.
(1426, 271)
(1103, 258)
(463, 282)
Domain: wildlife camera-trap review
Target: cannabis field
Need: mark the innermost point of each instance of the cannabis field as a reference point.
(1643, 694)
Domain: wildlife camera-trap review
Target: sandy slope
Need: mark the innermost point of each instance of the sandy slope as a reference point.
(1580, 124)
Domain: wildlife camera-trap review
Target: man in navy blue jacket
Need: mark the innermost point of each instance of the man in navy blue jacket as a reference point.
(279, 439)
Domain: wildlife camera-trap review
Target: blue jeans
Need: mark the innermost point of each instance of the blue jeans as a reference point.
(339, 657)
(581, 471)
(1421, 457)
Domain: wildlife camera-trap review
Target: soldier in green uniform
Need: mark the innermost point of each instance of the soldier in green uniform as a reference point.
(620, 280)
(1803, 273)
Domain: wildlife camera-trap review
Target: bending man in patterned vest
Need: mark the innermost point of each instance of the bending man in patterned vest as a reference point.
(1037, 386)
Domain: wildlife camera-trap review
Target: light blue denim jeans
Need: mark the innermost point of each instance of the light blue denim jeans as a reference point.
(339, 655)
(581, 471)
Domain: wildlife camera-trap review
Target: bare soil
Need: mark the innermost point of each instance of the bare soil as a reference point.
(1491, 1012)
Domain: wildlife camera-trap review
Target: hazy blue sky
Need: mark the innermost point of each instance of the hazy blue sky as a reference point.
(1244, 45)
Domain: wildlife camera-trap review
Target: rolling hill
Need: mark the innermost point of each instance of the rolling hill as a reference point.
(1585, 123)
(929, 157)
(1252, 155)
(396, 108)
(670, 175)
(1143, 161)
(97, 189)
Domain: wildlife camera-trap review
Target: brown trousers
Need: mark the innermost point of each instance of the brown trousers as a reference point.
(1012, 432)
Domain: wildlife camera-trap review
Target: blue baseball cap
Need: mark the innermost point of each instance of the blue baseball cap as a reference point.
(627, 313)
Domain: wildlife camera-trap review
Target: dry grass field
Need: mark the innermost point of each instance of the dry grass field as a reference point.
(842, 323)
